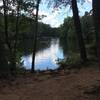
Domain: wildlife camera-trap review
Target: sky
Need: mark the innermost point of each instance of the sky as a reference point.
(56, 18)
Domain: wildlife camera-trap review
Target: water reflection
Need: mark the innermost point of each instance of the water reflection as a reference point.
(46, 58)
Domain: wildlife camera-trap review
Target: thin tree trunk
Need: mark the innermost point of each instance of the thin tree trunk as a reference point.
(13, 56)
(16, 36)
(35, 36)
(96, 16)
(6, 24)
(4, 68)
(11, 52)
(79, 31)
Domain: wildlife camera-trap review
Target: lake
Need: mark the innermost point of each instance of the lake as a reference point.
(46, 56)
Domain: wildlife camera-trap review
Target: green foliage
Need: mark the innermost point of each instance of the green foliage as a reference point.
(46, 30)
(4, 67)
(67, 34)
(73, 58)
(70, 60)
(88, 33)
(88, 28)
(69, 39)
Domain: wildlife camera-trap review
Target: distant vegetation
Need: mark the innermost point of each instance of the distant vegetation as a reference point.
(69, 38)
(26, 28)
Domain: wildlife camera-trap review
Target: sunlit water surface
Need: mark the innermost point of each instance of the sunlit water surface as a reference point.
(46, 58)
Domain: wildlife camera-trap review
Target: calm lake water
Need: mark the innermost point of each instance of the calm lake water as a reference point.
(46, 57)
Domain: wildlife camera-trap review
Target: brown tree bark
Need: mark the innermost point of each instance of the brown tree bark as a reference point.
(79, 31)
(35, 36)
(6, 23)
(16, 35)
(4, 68)
(96, 17)
(7, 41)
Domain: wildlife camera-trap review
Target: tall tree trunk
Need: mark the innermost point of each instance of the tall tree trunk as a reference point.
(11, 55)
(35, 36)
(16, 36)
(14, 52)
(96, 16)
(79, 31)
(6, 23)
(4, 68)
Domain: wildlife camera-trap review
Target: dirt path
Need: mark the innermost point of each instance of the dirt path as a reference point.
(73, 85)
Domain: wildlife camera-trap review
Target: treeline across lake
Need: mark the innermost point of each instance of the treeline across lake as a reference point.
(26, 27)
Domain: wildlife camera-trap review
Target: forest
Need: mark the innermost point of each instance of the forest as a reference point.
(37, 60)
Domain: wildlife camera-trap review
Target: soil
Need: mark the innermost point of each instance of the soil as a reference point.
(74, 84)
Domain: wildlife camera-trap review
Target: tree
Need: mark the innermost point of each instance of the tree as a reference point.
(8, 8)
(35, 36)
(68, 36)
(79, 31)
(87, 27)
(96, 17)
(4, 68)
(5, 7)
(16, 3)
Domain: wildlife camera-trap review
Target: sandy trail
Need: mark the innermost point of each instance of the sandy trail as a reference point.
(73, 85)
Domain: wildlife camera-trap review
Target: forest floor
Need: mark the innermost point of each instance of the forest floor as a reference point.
(74, 84)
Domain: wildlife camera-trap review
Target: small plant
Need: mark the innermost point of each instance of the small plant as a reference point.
(72, 59)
